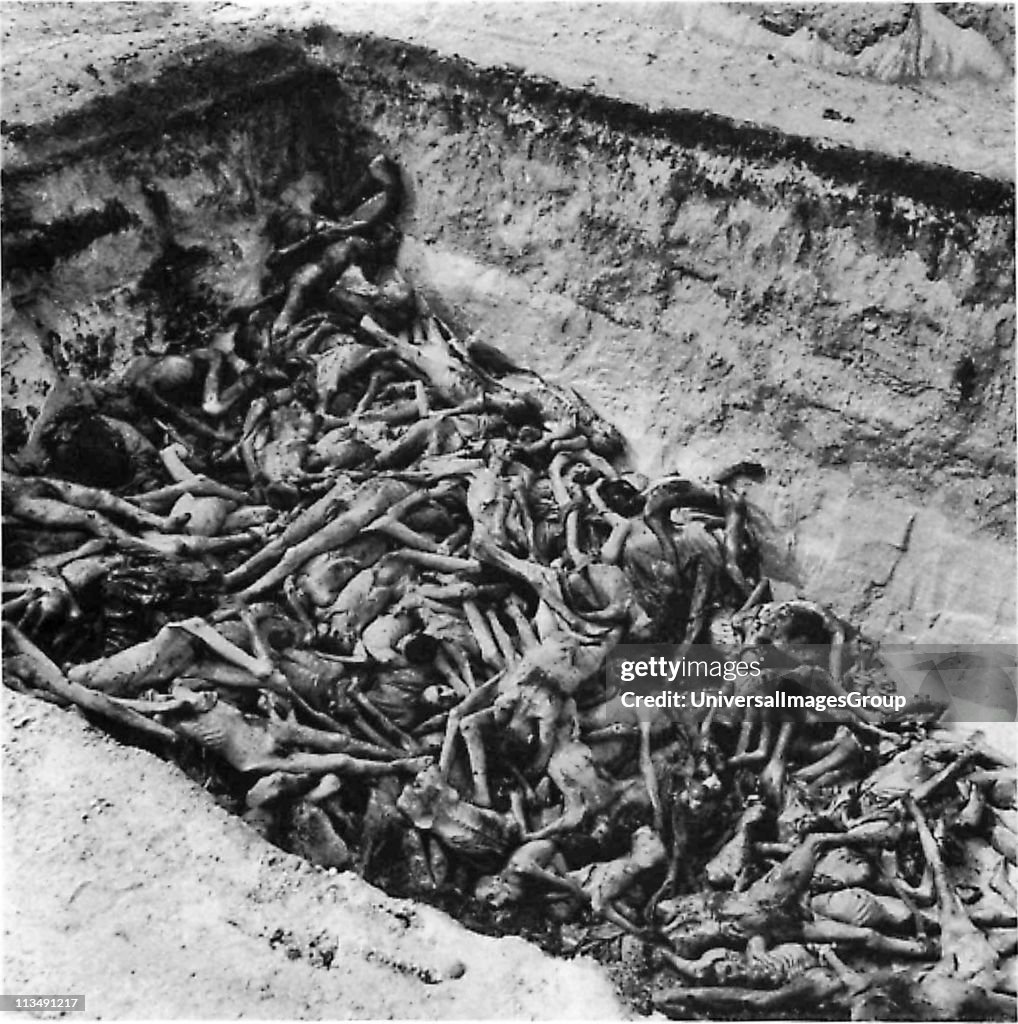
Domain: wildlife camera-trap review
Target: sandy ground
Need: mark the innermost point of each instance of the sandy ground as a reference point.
(125, 882)
(662, 55)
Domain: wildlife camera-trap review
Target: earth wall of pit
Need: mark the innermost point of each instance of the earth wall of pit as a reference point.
(721, 291)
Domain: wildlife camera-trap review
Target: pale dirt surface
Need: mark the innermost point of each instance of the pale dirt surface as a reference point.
(692, 56)
(117, 867)
(125, 882)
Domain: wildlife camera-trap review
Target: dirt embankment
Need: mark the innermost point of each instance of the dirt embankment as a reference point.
(722, 291)
(725, 293)
(851, 28)
(126, 884)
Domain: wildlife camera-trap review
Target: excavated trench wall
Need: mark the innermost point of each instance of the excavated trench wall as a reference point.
(721, 291)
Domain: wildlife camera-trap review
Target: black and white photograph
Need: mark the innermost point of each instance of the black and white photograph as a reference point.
(508, 510)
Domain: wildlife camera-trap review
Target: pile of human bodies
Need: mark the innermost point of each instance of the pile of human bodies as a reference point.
(362, 577)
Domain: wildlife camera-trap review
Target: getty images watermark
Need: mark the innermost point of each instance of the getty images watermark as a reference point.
(971, 683)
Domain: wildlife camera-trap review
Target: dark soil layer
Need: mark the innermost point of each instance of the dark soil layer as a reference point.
(722, 291)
